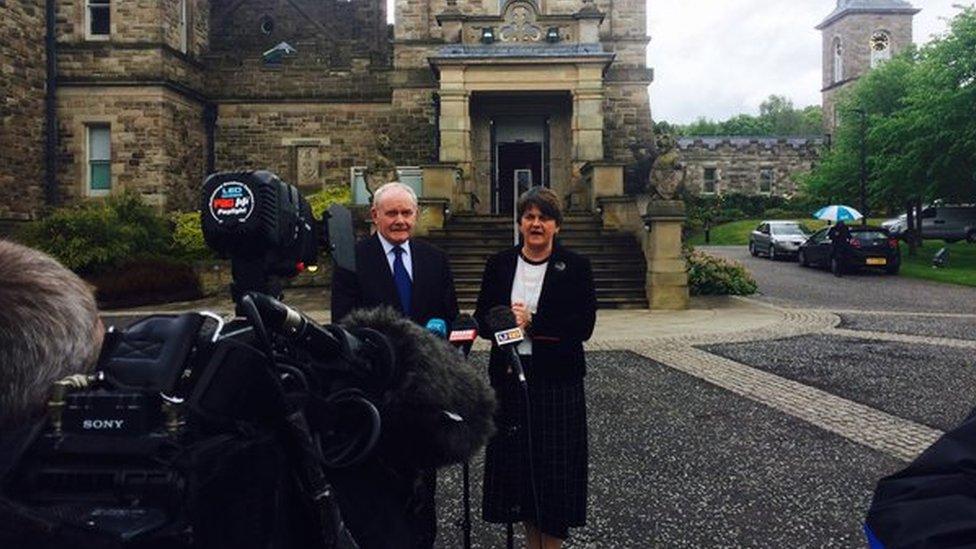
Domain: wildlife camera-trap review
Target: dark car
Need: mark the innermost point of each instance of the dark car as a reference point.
(870, 247)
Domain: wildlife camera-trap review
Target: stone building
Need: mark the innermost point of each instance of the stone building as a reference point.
(153, 95)
(857, 36)
(747, 165)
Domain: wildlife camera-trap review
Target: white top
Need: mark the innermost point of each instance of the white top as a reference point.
(526, 288)
(391, 255)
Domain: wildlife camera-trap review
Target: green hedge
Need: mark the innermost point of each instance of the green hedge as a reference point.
(95, 236)
(710, 275)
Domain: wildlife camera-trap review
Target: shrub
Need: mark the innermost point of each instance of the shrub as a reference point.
(95, 236)
(783, 213)
(710, 275)
(146, 281)
(328, 196)
(188, 243)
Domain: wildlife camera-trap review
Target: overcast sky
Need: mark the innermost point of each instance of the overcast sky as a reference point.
(719, 58)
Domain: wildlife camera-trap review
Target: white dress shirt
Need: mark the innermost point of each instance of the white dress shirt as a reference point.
(527, 287)
(391, 255)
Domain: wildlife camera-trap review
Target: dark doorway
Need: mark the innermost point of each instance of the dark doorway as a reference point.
(522, 159)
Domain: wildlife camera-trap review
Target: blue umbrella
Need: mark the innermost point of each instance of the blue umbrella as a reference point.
(837, 212)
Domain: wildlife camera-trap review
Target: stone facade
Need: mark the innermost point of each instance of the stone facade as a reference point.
(186, 86)
(855, 35)
(739, 162)
(22, 88)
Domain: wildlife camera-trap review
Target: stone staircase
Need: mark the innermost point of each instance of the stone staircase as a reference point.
(618, 264)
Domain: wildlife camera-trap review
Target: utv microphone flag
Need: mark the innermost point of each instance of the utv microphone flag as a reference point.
(509, 337)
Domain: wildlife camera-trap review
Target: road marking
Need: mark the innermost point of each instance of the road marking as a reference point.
(903, 313)
(902, 338)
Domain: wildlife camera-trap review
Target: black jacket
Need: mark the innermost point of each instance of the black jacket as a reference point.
(372, 283)
(565, 317)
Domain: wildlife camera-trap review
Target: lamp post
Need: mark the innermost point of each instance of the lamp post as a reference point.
(863, 116)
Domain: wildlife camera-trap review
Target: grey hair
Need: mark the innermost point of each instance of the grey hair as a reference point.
(394, 185)
(49, 329)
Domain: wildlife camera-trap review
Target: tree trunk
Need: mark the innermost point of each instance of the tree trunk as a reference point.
(910, 226)
(919, 237)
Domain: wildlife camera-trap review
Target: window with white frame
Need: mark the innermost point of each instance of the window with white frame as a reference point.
(184, 26)
(838, 60)
(99, 159)
(766, 179)
(710, 183)
(880, 48)
(98, 18)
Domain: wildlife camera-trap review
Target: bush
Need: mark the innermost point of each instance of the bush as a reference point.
(328, 196)
(146, 281)
(710, 275)
(783, 213)
(188, 243)
(95, 236)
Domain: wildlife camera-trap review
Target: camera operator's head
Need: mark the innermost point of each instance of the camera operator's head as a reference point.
(49, 329)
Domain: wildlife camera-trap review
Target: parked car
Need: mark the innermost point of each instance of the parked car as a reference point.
(777, 239)
(940, 222)
(871, 247)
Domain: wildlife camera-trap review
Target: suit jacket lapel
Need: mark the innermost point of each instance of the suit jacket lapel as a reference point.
(507, 272)
(551, 273)
(421, 274)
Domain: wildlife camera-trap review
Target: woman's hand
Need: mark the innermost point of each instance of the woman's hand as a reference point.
(522, 315)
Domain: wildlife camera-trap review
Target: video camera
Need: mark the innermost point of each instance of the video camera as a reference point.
(193, 432)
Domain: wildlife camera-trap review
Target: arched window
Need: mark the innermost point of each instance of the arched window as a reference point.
(838, 50)
(880, 48)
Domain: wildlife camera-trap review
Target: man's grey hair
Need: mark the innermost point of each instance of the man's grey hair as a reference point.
(394, 185)
(49, 329)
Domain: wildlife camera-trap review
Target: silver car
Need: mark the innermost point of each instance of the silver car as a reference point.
(940, 222)
(777, 239)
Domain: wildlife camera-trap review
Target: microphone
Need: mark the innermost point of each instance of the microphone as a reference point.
(438, 327)
(501, 321)
(464, 332)
(295, 326)
(437, 410)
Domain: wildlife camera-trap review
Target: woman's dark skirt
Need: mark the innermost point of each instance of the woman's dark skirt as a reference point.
(559, 451)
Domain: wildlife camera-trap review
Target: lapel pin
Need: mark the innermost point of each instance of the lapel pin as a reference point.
(559, 266)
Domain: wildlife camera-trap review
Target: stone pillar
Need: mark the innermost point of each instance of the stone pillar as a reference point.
(605, 179)
(433, 213)
(667, 270)
(455, 119)
(588, 115)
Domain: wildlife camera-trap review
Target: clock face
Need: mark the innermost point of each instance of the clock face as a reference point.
(879, 41)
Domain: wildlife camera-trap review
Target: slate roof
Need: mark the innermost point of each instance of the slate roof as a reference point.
(846, 7)
(545, 51)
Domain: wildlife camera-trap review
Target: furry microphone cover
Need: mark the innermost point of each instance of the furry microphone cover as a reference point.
(439, 409)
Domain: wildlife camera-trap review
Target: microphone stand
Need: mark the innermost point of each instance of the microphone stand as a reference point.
(524, 386)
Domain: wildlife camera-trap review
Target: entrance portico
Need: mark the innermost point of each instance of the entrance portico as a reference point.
(492, 98)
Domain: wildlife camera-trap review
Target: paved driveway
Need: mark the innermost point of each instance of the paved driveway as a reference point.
(786, 283)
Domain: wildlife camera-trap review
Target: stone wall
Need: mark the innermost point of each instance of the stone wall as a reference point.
(627, 120)
(157, 142)
(738, 161)
(22, 87)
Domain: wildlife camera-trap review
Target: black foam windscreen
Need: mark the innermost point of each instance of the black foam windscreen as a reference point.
(501, 318)
(464, 321)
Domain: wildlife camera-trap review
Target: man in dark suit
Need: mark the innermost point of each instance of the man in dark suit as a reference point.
(423, 289)
(415, 279)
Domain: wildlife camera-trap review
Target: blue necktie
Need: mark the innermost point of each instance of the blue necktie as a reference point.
(402, 280)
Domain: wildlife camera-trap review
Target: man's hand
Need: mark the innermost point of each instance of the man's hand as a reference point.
(522, 315)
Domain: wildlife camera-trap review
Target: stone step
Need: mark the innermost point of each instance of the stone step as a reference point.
(620, 283)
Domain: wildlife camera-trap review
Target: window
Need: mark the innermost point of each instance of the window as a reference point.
(766, 180)
(880, 48)
(184, 27)
(99, 159)
(711, 181)
(838, 61)
(98, 14)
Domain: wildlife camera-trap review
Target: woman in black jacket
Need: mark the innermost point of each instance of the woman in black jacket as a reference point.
(536, 464)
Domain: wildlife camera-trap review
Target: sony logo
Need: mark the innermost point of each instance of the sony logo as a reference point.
(102, 424)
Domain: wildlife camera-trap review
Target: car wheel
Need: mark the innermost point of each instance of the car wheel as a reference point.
(752, 249)
(772, 252)
(836, 267)
(802, 259)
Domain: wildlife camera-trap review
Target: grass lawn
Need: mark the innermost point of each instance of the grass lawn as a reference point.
(962, 263)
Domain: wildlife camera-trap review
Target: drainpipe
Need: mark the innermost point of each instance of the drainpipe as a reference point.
(51, 195)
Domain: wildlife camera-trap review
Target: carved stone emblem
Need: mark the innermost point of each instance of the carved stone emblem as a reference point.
(520, 18)
(308, 166)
